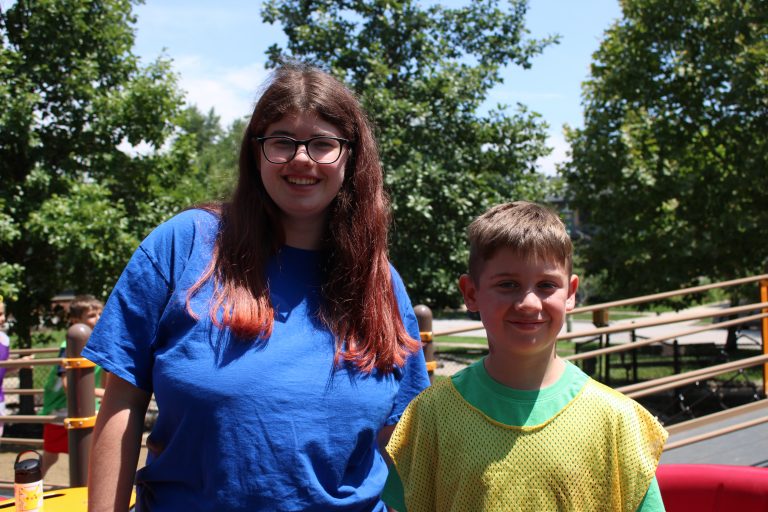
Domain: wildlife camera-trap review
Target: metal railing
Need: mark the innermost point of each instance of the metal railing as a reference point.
(602, 331)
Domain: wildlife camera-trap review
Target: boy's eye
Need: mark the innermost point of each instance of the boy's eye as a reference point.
(548, 285)
(506, 285)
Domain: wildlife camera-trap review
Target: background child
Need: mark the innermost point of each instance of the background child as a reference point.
(522, 429)
(84, 309)
(5, 348)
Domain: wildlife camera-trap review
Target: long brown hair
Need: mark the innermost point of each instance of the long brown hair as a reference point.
(358, 300)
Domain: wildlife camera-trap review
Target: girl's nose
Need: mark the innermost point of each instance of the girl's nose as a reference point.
(302, 155)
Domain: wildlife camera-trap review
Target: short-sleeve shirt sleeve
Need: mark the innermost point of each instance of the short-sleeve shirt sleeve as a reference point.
(122, 342)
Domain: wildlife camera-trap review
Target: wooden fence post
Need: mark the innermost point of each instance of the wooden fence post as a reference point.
(81, 404)
(600, 319)
(764, 298)
(424, 318)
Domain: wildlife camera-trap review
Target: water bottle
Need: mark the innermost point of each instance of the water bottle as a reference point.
(28, 483)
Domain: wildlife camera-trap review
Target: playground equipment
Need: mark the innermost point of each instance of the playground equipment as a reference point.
(713, 488)
(81, 407)
(74, 499)
(82, 415)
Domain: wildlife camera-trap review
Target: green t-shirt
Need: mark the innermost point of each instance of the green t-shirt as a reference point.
(515, 407)
(54, 394)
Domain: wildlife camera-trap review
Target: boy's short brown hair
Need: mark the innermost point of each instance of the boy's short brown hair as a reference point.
(531, 230)
(83, 304)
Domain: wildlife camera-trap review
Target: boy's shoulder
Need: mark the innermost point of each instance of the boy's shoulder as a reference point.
(607, 393)
(433, 397)
(616, 404)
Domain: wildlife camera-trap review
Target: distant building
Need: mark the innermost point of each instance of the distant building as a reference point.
(60, 306)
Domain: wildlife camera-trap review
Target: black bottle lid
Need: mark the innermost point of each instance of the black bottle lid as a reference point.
(28, 470)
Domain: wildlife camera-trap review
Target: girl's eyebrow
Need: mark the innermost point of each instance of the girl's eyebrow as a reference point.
(288, 133)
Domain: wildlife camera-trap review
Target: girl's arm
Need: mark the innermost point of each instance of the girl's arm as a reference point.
(382, 439)
(116, 444)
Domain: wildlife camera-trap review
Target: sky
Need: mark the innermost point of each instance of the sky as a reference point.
(218, 50)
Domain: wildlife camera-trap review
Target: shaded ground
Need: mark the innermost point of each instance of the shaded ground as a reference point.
(57, 475)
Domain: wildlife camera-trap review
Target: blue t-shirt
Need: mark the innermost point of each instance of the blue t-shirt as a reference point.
(247, 424)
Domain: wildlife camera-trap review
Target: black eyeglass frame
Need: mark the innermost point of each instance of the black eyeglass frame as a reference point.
(305, 143)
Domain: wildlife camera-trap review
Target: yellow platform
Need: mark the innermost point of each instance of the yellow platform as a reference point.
(74, 499)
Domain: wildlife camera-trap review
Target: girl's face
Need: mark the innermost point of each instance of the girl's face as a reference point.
(2, 315)
(302, 188)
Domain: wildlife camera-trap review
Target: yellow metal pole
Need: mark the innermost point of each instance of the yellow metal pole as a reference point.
(764, 297)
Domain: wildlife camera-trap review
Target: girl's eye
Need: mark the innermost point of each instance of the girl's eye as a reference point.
(324, 145)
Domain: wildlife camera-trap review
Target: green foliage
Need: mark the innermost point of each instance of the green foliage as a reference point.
(216, 150)
(75, 227)
(422, 73)
(670, 172)
(75, 108)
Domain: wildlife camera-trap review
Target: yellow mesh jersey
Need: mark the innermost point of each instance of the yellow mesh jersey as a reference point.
(599, 452)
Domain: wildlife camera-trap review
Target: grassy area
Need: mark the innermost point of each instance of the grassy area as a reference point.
(474, 340)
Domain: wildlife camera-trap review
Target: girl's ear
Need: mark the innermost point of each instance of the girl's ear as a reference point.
(469, 291)
(573, 285)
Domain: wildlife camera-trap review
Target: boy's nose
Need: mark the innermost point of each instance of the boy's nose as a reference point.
(529, 301)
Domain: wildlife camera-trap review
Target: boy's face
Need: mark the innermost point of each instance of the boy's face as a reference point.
(522, 303)
(89, 318)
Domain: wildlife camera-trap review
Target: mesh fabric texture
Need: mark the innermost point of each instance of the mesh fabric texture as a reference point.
(599, 452)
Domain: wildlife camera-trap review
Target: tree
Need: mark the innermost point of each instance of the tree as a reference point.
(78, 193)
(215, 150)
(423, 75)
(671, 168)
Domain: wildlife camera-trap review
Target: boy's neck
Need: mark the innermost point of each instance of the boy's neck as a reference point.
(525, 373)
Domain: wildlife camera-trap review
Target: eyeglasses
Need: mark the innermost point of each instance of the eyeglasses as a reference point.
(281, 150)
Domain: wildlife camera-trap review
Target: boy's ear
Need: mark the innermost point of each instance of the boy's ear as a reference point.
(573, 285)
(469, 291)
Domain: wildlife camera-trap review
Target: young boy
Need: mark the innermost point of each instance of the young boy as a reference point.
(84, 309)
(522, 429)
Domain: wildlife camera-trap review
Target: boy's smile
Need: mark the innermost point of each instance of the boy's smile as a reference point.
(521, 302)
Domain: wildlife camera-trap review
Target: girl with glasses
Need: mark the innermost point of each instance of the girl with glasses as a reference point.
(276, 337)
